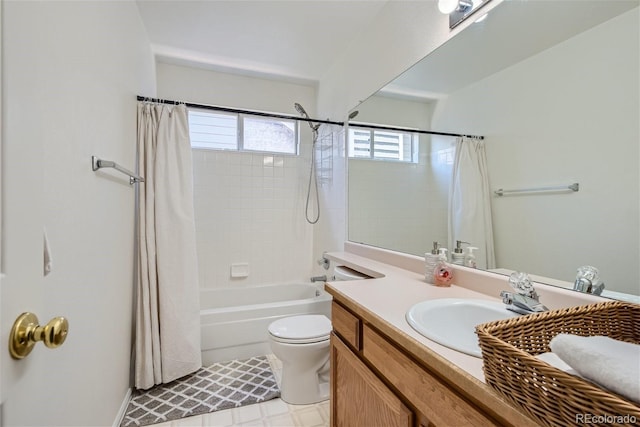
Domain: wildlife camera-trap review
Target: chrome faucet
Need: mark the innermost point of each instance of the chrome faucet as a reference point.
(588, 281)
(525, 300)
(319, 278)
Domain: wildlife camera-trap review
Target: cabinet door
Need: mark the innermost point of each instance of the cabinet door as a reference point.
(358, 397)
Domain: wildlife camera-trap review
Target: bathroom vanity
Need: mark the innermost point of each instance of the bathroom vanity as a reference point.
(385, 380)
(383, 373)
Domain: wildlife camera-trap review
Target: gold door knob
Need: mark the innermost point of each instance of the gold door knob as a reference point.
(26, 332)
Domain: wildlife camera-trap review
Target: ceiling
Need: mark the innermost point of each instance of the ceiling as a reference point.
(293, 40)
(482, 49)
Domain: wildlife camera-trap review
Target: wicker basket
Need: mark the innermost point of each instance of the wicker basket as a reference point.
(549, 395)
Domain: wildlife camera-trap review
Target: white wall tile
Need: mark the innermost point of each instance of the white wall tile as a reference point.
(244, 214)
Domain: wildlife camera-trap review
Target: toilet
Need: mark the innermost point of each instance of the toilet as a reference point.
(302, 344)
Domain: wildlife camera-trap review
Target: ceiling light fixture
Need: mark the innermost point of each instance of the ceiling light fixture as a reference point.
(449, 6)
(459, 10)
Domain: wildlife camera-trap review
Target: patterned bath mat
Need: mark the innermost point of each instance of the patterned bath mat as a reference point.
(220, 386)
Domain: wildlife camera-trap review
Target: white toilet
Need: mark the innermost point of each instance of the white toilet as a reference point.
(302, 344)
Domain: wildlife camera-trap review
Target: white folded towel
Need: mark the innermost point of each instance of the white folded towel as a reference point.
(553, 360)
(610, 363)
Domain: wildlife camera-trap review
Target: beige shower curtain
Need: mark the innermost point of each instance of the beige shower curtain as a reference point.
(167, 308)
(470, 201)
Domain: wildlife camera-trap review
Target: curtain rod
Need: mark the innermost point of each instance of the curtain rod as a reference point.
(292, 117)
(426, 132)
(239, 111)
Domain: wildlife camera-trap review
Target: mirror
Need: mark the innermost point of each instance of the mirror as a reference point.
(553, 86)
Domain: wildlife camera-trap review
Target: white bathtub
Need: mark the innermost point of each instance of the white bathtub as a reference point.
(234, 321)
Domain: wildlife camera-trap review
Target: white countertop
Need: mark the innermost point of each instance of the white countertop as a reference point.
(393, 290)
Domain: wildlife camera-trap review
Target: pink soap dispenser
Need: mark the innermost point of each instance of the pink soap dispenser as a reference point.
(443, 273)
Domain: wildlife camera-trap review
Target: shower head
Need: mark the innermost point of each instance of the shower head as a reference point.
(353, 114)
(304, 114)
(300, 110)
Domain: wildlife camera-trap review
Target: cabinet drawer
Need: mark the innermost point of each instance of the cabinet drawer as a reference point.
(346, 325)
(437, 402)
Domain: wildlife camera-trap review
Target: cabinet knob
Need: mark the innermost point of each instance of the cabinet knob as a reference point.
(26, 332)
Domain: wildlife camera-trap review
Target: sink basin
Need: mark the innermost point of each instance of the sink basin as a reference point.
(452, 321)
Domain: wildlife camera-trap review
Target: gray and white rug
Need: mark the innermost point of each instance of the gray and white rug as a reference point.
(220, 386)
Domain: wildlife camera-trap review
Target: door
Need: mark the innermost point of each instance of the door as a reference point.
(21, 247)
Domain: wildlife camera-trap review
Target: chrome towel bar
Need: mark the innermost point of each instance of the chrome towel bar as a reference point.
(573, 187)
(97, 163)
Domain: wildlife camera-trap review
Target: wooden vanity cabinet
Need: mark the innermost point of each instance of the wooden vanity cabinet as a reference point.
(374, 383)
(358, 397)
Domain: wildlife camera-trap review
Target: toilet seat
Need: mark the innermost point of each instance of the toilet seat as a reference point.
(303, 329)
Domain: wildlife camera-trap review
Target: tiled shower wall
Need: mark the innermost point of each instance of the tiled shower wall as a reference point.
(401, 206)
(249, 208)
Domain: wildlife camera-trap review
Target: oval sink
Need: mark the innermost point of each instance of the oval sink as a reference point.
(452, 321)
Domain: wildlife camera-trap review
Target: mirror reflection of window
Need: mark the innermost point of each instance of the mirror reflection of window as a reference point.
(445, 156)
(383, 145)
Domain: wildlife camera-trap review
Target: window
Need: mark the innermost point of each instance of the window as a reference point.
(213, 130)
(387, 145)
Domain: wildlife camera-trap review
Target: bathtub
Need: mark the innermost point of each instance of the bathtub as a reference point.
(234, 320)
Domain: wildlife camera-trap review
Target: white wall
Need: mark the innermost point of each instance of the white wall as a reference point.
(568, 114)
(248, 207)
(71, 73)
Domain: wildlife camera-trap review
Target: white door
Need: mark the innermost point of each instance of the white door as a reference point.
(21, 254)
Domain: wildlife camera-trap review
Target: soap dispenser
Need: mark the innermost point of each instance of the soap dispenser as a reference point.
(430, 260)
(470, 258)
(443, 273)
(457, 256)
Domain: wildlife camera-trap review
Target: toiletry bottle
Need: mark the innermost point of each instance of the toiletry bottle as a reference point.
(430, 260)
(443, 273)
(457, 256)
(443, 254)
(470, 258)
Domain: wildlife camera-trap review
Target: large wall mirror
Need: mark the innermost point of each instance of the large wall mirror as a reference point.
(554, 88)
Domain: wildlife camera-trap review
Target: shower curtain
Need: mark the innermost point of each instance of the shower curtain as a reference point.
(167, 344)
(469, 201)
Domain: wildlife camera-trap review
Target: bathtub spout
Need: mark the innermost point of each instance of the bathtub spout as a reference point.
(319, 279)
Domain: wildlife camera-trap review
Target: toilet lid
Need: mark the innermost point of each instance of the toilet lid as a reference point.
(345, 273)
(301, 328)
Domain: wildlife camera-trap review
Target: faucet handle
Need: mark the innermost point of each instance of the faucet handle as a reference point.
(521, 283)
(588, 272)
(324, 262)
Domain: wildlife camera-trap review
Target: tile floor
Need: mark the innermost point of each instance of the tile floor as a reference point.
(273, 413)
